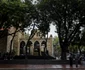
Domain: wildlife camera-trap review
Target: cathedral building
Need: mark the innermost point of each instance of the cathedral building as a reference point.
(20, 40)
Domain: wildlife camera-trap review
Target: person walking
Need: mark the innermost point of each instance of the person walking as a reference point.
(77, 59)
(71, 60)
(80, 60)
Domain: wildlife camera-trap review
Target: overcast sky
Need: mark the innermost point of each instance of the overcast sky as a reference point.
(52, 30)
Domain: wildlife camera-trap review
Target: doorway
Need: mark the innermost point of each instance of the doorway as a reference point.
(22, 46)
(37, 48)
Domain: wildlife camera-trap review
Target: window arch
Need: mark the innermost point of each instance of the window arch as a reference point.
(37, 47)
(36, 44)
(43, 42)
(22, 45)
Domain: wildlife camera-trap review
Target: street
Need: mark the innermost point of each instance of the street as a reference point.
(39, 67)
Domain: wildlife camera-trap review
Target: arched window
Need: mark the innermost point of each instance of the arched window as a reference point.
(43, 42)
(36, 44)
(22, 45)
(37, 47)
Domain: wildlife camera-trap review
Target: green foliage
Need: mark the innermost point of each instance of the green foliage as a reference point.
(83, 37)
(68, 17)
(16, 13)
(73, 49)
(79, 41)
(43, 19)
(57, 49)
(56, 40)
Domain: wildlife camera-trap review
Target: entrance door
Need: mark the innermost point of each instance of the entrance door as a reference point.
(37, 48)
(22, 45)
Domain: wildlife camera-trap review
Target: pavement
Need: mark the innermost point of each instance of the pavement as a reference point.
(40, 67)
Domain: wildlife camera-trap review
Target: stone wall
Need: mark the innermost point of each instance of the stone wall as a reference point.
(40, 40)
(20, 36)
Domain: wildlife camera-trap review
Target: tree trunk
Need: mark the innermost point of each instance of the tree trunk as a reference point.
(29, 50)
(79, 49)
(30, 37)
(26, 48)
(11, 46)
(27, 45)
(12, 41)
(64, 50)
(63, 54)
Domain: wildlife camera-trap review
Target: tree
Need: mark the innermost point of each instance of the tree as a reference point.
(16, 17)
(44, 29)
(57, 49)
(43, 24)
(79, 41)
(32, 14)
(18, 10)
(31, 35)
(17, 14)
(68, 17)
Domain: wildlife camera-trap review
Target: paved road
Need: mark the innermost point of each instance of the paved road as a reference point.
(39, 67)
(43, 69)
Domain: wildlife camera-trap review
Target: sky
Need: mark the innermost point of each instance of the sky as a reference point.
(52, 31)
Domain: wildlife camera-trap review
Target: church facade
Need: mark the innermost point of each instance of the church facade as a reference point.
(19, 43)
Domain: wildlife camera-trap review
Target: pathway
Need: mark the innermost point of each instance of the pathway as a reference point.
(39, 67)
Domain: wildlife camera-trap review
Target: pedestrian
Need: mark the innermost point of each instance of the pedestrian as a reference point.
(76, 59)
(80, 59)
(71, 60)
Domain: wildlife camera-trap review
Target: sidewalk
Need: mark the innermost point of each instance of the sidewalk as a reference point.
(39, 67)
